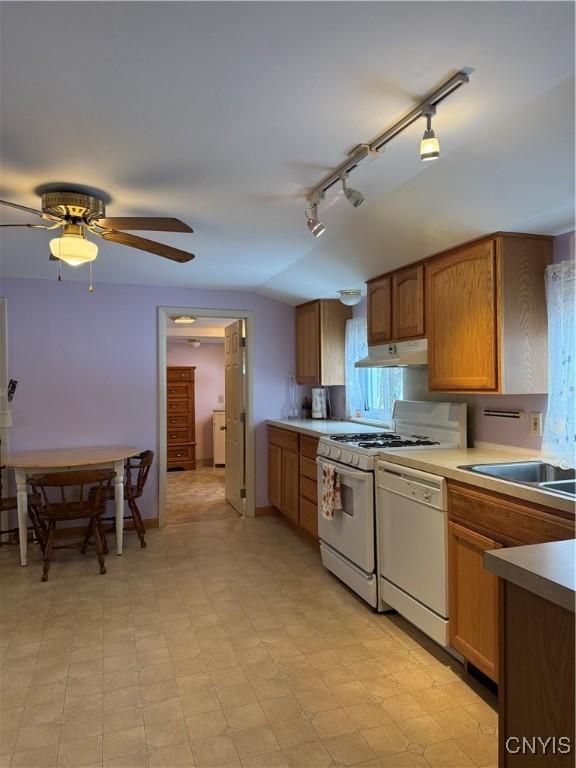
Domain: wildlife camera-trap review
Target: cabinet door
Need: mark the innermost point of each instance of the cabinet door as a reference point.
(408, 303)
(461, 319)
(308, 343)
(473, 599)
(275, 476)
(290, 485)
(380, 310)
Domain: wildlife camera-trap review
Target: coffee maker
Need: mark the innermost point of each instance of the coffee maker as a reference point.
(319, 403)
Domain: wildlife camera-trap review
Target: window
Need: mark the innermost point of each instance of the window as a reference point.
(559, 442)
(370, 392)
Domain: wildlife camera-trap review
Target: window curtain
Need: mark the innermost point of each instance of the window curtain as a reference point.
(370, 392)
(559, 441)
(356, 347)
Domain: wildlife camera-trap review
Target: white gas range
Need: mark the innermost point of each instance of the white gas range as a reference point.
(348, 541)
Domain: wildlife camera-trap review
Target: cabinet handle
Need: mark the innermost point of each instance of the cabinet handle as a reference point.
(178, 455)
(173, 435)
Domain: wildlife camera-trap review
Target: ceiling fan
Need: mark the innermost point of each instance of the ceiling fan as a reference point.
(78, 213)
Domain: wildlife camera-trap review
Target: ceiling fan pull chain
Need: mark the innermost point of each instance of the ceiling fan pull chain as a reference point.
(59, 270)
(90, 287)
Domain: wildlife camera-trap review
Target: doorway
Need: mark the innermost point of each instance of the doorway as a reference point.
(205, 435)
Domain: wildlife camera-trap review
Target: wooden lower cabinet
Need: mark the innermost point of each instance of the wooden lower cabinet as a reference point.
(473, 596)
(478, 521)
(290, 486)
(292, 477)
(275, 475)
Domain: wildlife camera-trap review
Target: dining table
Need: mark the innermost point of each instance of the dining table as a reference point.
(27, 463)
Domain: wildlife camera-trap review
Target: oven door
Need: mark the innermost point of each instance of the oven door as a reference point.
(351, 531)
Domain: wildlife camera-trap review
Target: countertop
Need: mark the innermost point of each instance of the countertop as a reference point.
(319, 427)
(445, 462)
(548, 570)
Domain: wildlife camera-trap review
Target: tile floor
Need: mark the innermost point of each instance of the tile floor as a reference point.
(198, 495)
(222, 643)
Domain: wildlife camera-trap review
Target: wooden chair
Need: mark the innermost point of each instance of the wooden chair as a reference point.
(64, 496)
(136, 470)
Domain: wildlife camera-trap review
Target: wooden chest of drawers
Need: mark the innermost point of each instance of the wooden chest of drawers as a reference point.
(180, 418)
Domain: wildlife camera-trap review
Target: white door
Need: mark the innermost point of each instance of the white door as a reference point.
(235, 415)
(351, 530)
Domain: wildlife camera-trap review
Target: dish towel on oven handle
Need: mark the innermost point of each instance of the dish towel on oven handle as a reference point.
(331, 493)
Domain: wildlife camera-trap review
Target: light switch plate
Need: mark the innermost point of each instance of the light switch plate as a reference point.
(536, 424)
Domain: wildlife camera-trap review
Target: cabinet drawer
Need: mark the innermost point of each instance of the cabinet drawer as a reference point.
(179, 374)
(180, 436)
(308, 489)
(178, 420)
(308, 468)
(283, 438)
(178, 406)
(309, 516)
(183, 452)
(178, 390)
(308, 446)
(505, 519)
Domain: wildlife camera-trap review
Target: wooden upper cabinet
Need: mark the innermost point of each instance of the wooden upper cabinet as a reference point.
(380, 310)
(320, 340)
(408, 303)
(461, 322)
(308, 343)
(486, 316)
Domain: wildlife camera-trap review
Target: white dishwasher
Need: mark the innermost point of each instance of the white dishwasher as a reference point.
(412, 541)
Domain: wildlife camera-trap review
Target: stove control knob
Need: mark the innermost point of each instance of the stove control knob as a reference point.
(337, 453)
(347, 457)
(355, 460)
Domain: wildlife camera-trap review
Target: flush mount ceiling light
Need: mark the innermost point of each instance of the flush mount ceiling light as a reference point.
(183, 319)
(193, 342)
(314, 225)
(365, 153)
(73, 247)
(354, 197)
(350, 296)
(429, 146)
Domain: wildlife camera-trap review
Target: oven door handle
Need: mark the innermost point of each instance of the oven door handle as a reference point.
(342, 469)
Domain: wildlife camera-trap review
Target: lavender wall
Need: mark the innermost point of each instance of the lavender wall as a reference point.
(86, 365)
(208, 386)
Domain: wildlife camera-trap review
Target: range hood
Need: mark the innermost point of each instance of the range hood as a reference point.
(400, 355)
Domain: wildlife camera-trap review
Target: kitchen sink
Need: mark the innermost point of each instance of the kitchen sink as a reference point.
(534, 473)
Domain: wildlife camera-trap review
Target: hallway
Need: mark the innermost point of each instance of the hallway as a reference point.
(197, 496)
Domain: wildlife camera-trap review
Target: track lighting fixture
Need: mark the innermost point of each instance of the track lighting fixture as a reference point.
(366, 153)
(314, 226)
(354, 197)
(429, 146)
(350, 296)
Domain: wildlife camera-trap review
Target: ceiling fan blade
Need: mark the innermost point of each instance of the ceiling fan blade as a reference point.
(149, 223)
(159, 249)
(30, 226)
(30, 210)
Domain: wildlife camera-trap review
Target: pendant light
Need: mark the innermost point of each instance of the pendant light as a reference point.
(429, 146)
(73, 247)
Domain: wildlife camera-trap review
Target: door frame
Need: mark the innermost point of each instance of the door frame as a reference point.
(232, 314)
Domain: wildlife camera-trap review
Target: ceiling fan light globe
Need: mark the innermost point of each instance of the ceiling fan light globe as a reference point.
(75, 250)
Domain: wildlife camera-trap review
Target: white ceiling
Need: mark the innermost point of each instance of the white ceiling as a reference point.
(205, 328)
(223, 114)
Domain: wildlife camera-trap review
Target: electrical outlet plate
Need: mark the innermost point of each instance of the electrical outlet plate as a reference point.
(536, 424)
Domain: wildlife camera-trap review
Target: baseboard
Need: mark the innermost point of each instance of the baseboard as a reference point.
(204, 462)
(263, 511)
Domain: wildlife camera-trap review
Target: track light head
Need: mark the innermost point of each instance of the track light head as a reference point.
(314, 226)
(429, 146)
(354, 197)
